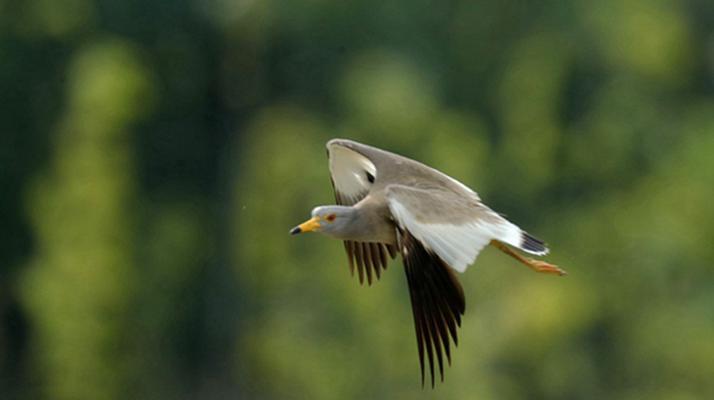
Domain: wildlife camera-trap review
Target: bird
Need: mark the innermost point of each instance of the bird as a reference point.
(389, 205)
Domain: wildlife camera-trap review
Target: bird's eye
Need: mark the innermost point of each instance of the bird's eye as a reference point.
(330, 217)
(370, 177)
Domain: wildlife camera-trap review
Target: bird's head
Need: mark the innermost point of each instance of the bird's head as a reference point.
(330, 220)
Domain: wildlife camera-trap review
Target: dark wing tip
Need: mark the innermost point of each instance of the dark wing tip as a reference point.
(437, 304)
(370, 259)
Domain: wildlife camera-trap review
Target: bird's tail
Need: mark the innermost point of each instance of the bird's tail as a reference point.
(533, 245)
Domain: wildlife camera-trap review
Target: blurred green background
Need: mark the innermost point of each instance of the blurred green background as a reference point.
(154, 154)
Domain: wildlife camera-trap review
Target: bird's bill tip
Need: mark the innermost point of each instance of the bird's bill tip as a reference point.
(307, 226)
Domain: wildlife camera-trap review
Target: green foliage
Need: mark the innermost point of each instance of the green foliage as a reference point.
(80, 282)
(153, 158)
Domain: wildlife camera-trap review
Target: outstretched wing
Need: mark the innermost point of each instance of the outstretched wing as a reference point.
(440, 232)
(437, 302)
(352, 176)
(453, 226)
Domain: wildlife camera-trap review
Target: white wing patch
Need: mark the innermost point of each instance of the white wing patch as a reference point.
(349, 172)
(457, 245)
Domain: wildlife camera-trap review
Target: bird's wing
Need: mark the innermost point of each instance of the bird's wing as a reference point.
(439, 232)
(437, 302)
(452, 226)
(352, 176)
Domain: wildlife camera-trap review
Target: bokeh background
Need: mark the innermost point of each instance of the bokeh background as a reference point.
(154, 154)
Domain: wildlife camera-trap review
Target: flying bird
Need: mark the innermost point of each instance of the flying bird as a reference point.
(387, 205)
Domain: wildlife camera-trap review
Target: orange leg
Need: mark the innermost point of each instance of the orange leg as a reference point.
(535, 265)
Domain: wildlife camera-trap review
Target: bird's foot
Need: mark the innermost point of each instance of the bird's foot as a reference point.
(544, 267)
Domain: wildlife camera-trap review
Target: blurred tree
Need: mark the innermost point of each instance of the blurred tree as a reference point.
(82, 279)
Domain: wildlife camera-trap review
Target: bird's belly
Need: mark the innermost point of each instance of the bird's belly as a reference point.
(386, 234)
(383, 232)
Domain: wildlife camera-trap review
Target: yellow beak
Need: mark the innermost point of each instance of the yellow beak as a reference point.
(307, 226)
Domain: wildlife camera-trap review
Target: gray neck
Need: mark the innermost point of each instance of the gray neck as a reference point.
(354, 225)
(361, 224)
